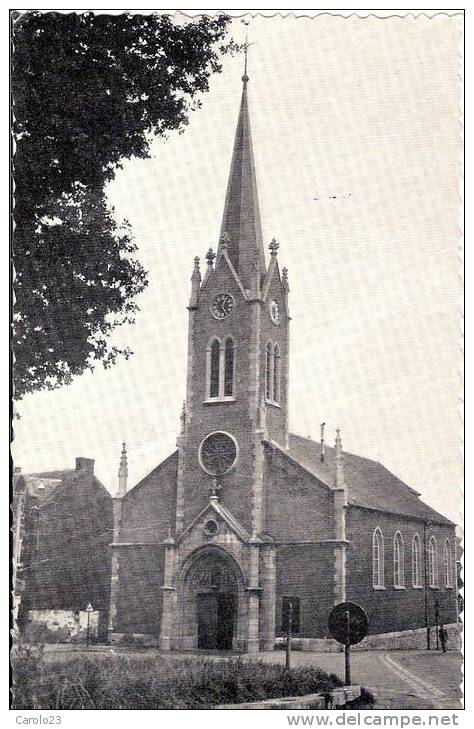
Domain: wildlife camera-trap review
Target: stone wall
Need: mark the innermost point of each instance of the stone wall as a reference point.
(409, 640)
(401, 640)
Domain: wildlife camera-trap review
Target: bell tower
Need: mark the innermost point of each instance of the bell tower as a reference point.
(237, 378)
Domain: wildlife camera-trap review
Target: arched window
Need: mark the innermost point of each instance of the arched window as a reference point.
(377, 559)
(416, 561)
(448, 564)
(229, 367)
(398, 561)
(214, 369)
(276, 373)
(269, 372)
(432, 563)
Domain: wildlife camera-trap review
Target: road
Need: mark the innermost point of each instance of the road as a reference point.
(398, 679)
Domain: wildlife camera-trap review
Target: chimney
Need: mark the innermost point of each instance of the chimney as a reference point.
(123, 472)
(86, 464)
(323, 451)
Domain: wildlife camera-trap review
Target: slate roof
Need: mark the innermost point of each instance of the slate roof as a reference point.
(370, 484)
(40, 486)
(45, 485)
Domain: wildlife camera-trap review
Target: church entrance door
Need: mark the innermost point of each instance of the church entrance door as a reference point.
(216, 620)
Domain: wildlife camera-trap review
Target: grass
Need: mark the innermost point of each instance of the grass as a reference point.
(151, 682)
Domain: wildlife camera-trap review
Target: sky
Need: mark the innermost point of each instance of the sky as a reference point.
(356, 136)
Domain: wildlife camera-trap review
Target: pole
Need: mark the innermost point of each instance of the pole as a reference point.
(427, 622)
(437, 624)
(88, 623)
(288, 636)
(347, 649)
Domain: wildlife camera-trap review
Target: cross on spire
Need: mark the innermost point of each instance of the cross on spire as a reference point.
(246, 47)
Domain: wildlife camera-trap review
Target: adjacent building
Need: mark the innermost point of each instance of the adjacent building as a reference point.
(62, 528)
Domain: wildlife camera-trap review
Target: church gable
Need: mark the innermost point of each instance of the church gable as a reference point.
(222, 276)
(215, 527)
(298, 506)
(147, 509)
(273, 286)
(214, 523)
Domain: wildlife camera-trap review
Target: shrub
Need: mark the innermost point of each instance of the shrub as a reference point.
(25, 669)
(154, 682)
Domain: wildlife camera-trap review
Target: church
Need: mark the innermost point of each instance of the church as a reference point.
(244, 518)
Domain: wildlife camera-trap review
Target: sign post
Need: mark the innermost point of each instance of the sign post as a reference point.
(347, 649)
(288, 635)
(348, 624)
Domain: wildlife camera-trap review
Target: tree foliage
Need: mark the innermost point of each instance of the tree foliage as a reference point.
(88, 91)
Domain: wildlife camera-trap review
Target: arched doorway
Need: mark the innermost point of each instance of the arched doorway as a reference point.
(211, 601)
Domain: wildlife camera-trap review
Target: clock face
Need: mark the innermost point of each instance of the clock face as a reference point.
(217, 453)
(222, 305)
(274, 312)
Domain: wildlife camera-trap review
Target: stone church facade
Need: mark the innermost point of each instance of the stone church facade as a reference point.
(244, 518)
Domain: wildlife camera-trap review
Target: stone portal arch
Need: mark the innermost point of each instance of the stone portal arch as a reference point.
(211, 604)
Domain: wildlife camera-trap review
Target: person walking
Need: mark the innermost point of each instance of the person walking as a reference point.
(443, 637)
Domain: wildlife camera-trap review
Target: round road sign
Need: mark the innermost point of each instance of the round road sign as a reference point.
(348, 623)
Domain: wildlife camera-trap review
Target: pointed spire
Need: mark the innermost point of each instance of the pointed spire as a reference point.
(210, 256)
(123, 471)
(339, 461)
(241, 219)
(195, 283)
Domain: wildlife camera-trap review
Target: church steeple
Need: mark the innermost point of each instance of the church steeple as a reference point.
(241, 219)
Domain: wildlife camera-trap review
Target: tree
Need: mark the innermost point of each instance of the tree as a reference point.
(88, 91)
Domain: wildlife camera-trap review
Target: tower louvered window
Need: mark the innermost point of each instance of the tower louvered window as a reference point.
(229, 367)
(276, 373)
(214, 378)
(269, 372)
(220, 369)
